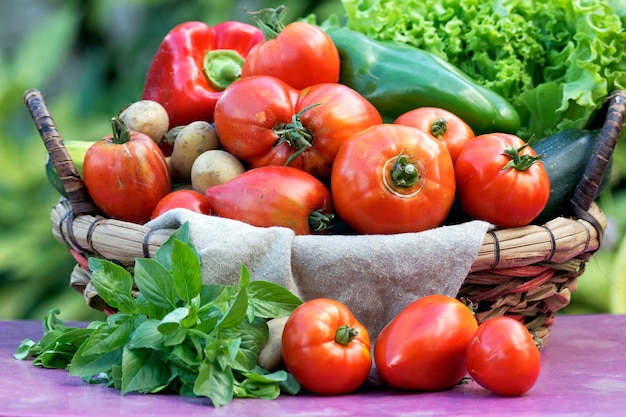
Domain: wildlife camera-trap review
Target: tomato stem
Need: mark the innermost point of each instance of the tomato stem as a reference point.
(272, 24)
(404, 173)
(319, 221)
(519, 162)
(439, 128)
(345, 334)
(296, 135)
(121, 133)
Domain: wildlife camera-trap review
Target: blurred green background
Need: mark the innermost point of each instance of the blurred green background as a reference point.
(89, 59)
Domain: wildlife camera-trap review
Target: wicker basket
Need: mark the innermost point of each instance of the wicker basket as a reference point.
(526, 272)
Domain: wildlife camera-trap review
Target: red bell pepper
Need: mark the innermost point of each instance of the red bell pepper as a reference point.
(194, 64)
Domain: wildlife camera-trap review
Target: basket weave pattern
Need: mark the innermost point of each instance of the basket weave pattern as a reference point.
(526, 272)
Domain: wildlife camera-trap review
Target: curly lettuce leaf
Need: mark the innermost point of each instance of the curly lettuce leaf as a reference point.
(555, 61)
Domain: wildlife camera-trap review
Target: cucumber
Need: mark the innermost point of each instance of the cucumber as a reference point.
(566, 155)
(77, 150)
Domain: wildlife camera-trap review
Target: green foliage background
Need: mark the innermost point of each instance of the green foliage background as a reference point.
(89, 59)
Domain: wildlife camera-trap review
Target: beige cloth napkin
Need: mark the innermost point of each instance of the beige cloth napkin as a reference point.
(376, 276)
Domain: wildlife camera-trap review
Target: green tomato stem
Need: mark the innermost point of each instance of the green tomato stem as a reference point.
(345, 334)
(404, 173)
(121, 133)
(439, 127)
(295, 134)
(519, 162)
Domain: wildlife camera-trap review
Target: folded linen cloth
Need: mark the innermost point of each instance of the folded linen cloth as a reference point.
(376, 276)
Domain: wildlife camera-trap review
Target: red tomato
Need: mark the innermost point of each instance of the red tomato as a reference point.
(274, 196)
(503, 357)
(423, 347)
(126, 174)
(188, 199)
(391, 178)
(440, 124)
(262, 121)
(501, 180)
(300, 54)
(326, 348)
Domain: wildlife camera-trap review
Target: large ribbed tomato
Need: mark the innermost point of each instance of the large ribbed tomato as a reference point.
(126, 174)
(392, 178)
(326, 348)
(263, 121)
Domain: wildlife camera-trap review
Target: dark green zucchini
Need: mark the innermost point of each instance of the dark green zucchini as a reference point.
(566, 155)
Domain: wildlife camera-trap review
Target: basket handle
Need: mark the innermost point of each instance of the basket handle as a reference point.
(73, 184)
(586, 190)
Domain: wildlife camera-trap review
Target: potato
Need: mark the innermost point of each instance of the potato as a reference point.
(271, 357)
(214, 167)
(148, 117)
(190, 142)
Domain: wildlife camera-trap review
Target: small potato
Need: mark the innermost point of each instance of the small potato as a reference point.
(271, 357)
(190, 142)
(148, 117)
(214, 167)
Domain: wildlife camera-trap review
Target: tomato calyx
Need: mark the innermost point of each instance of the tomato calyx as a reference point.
(222, 67)
(320, 221)
(439, 128)
(121, 133)
(402, 175)
(345, 334)
(518, 161)
(272, 24)
(295, 134)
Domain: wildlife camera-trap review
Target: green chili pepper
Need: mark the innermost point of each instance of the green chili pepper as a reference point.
(397, 78)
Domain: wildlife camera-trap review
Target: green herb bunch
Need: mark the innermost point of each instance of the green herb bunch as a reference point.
(176, 335)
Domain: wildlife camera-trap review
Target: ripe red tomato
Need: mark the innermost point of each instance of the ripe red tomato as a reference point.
(503, 357)
(300, 54)
(423, 347)
(188, 199)
(126, 174)
(274, 196)
(262, 121)
(501, 180)
(326, 348)
(440, 124)
(392, 178)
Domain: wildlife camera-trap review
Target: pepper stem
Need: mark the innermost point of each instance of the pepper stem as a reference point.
(518, 161)
(222, 67)
(121, 133)
(345, 334)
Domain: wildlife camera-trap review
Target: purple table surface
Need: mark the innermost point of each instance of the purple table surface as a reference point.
(583, 373)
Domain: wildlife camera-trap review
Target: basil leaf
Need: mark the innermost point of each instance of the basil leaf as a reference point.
(108, 337)
(113, 283)
(147, 335)
(172, 321)
(144, 370)
(215, 383)
(155, 283)
(164, 254)
(271, 300)
(86, 366)
(185, 271)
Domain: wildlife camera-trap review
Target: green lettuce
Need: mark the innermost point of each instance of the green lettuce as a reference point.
(554, 60)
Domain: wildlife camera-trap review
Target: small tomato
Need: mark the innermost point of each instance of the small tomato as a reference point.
(440, 124)
(501, 179)
(126, 174)
(423, 347)
(326, 348)
(503, 357)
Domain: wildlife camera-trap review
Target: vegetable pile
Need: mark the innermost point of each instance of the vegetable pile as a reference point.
(555, 61)
(335, 130)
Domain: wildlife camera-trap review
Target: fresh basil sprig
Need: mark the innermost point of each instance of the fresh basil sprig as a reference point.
(176, 335)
